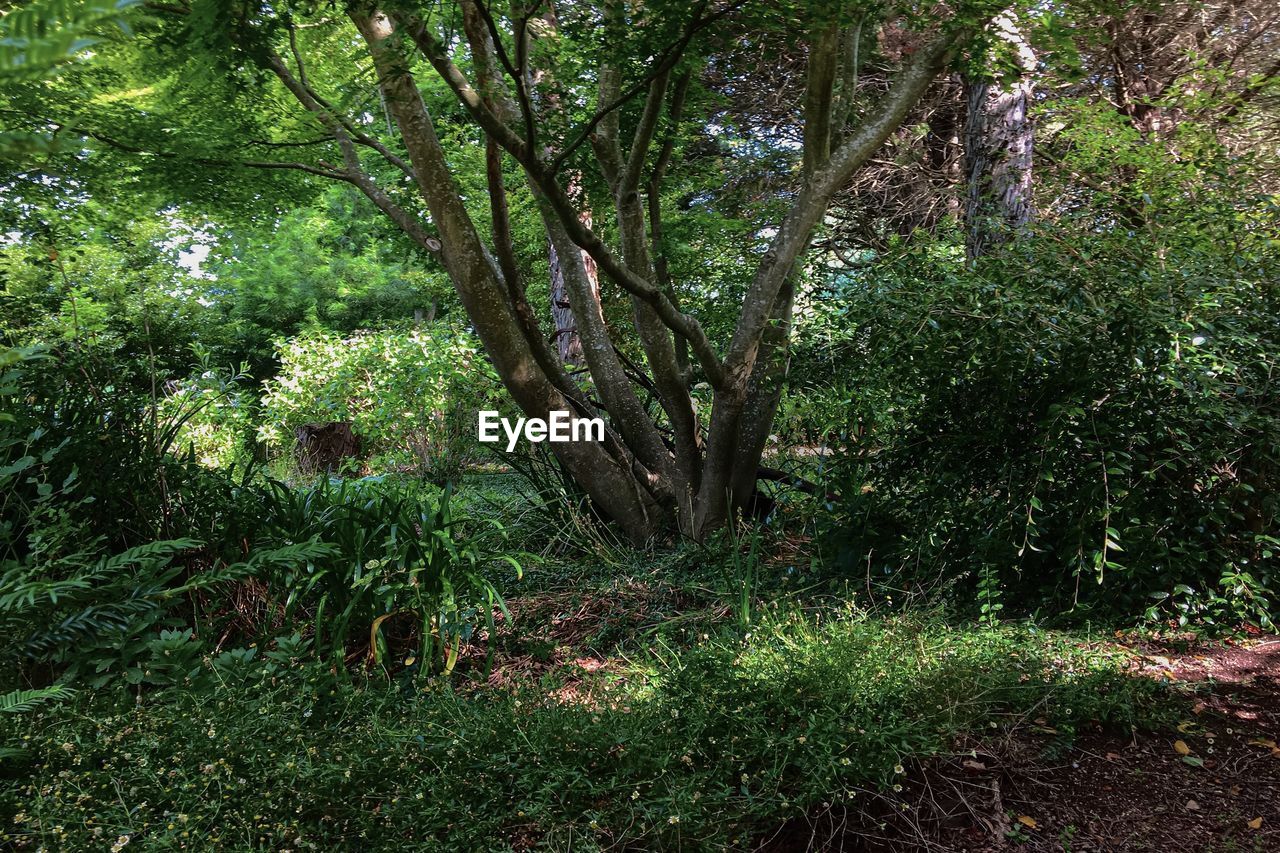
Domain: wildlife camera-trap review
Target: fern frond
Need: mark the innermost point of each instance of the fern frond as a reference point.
(21, 701)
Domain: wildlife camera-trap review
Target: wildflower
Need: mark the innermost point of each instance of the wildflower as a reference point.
(899, 769)
(801, 739)
(120, 844)
(635, 795)
(673, 819)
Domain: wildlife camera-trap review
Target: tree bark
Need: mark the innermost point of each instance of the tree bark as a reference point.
(568, 341)
(649, 486)
(608, 479)
(999, 140)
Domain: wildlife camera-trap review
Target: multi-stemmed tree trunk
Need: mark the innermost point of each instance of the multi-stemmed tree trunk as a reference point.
(998, 145)
(653, 476)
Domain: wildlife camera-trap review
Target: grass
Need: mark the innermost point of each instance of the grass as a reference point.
(699, 747)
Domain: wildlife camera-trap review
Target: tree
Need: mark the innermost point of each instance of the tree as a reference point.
(557, 104)
(998, 144)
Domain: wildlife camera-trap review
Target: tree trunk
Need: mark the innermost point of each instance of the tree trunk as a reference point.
(649, 483)
(606, 471)
(998, 141)
(568, 341)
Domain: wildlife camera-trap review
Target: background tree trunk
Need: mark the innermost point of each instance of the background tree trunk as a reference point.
(568, 342)
(998, 140)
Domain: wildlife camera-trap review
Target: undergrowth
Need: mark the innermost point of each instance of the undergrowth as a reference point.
(702, 747)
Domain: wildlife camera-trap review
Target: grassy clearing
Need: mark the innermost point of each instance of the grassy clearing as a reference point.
(708, 746)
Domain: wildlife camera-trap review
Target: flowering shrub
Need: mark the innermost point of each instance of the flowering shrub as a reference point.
(410, 396)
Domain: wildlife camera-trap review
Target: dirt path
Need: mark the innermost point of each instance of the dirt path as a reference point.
(1211, 784)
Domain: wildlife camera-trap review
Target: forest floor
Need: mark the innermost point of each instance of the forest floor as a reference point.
(1213, 784)
(1210, 784)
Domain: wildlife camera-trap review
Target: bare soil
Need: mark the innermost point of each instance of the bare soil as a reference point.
(1210, 784)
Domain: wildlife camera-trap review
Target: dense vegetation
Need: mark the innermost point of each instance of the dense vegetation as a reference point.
(931, 342)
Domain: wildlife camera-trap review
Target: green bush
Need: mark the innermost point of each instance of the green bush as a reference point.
(411, 397)
(88, 586)
(215, 416)
(393, 552)
(1091, 424)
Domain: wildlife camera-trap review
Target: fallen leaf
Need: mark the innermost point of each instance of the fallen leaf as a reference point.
(1113, 756)
(1180, 747)
(1264, 742)
(1027, 821)
(1193, 806)
(1193, 760)
(1198, 708)
(1256, 823)
(970, 764)
(1185, 726)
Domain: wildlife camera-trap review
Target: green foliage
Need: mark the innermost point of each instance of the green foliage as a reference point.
(334, 265)
(1086, 420)
(83, 412)
(411, 397)
(22, 701)
(707, 748)
(38, 36)
(212, 416)
(394, 552)
(115, 289)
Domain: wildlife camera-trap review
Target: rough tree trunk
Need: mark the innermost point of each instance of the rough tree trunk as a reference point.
(999, 139)
(568, 341)
(649, 483)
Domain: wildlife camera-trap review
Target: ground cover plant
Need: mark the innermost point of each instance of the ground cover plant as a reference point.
(936, 352)
(711, 745)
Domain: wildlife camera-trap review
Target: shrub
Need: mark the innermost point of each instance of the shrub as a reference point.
(1092, 424)
(214, 415)
(394, 552)
(411, 396)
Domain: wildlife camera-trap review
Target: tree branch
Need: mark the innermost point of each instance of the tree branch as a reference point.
(544, 179)
(666, 61)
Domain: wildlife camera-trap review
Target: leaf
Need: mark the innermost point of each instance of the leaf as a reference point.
(1180, 747)
(1184, 727)
(1194, 761)
(1256, 823)
(1027, 821)
(21, 701)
